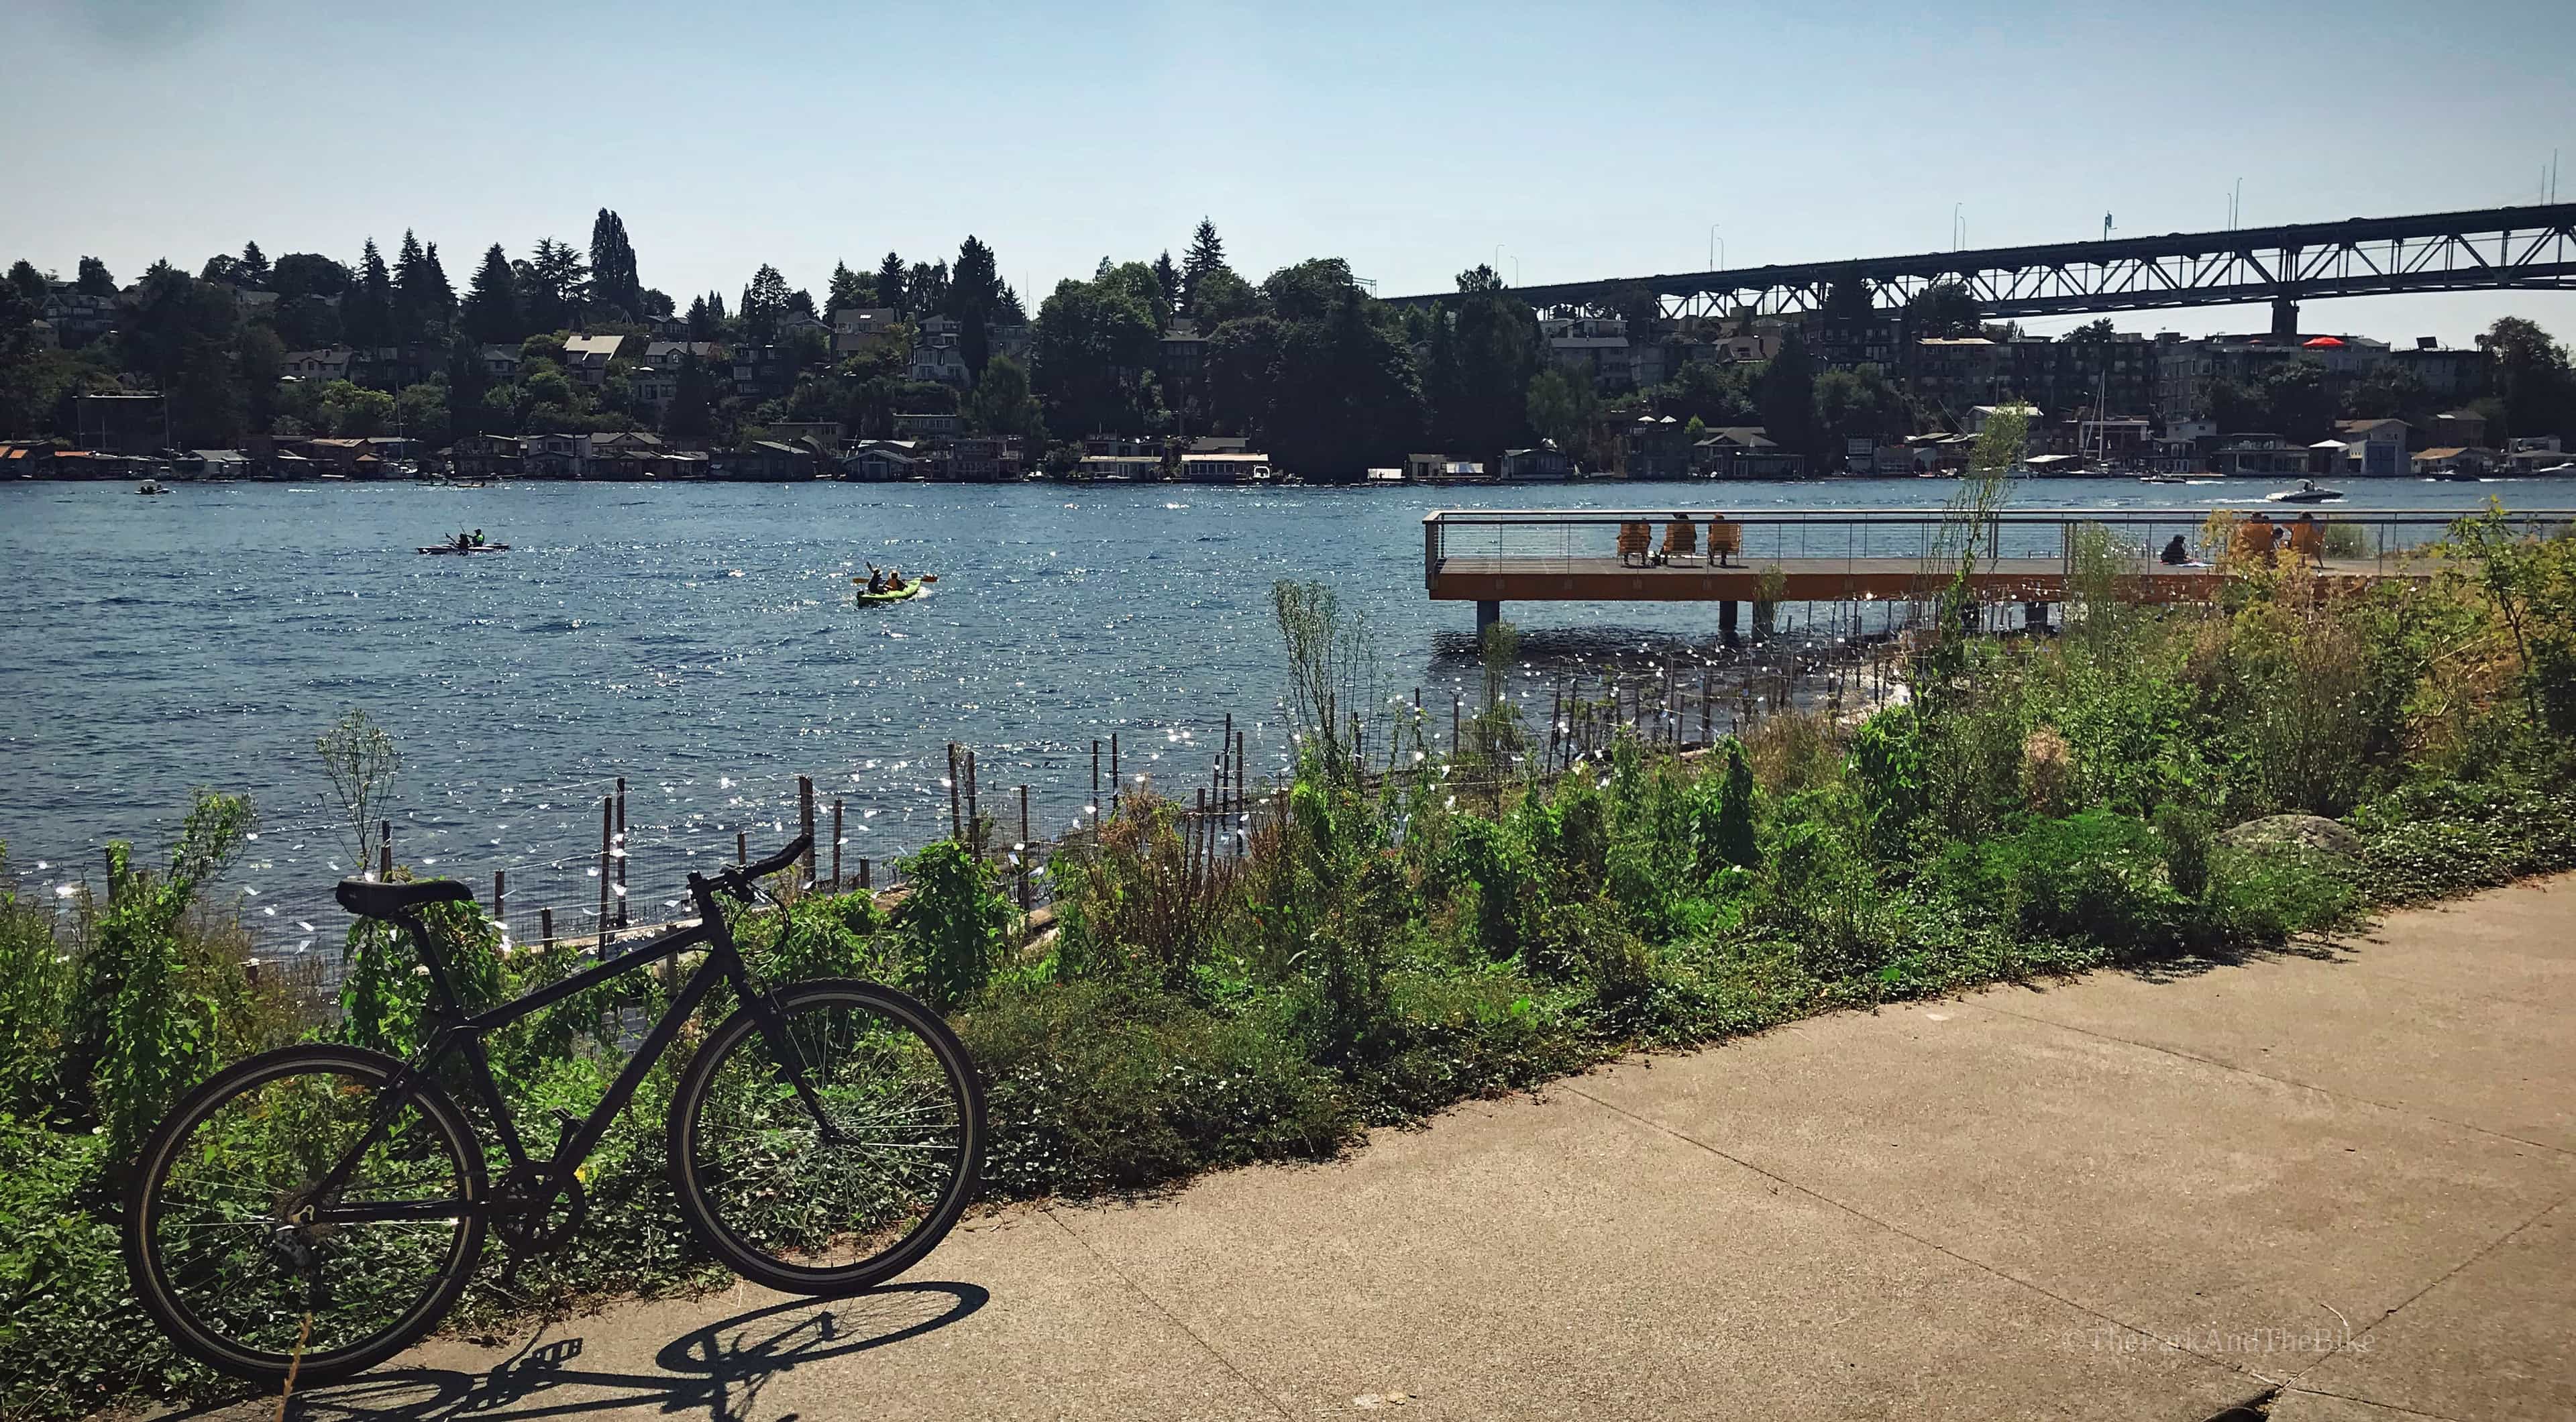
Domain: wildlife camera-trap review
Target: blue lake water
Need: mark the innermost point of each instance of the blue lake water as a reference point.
(699, 640)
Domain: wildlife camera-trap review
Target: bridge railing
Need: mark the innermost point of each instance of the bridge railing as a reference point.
(1545, 540)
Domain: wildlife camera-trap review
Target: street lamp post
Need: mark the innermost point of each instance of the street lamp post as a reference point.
(1716, 247)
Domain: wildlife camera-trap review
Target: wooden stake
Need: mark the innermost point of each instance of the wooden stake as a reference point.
(805, 820)
(500, 895)
(956, 817)
(621, 856)
(741, 847)
(607, 821)
(546, 927)
(836, 844)
(384, 850)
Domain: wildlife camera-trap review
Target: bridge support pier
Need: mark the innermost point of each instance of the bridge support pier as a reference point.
(1726, 623)
(2285, 316)
(1488, 612)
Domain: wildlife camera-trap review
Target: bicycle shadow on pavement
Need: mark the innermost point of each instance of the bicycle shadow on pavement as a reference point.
(719, 1369)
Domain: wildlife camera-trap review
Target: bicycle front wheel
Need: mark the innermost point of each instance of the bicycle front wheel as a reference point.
(830, 1146)
(253, 1262)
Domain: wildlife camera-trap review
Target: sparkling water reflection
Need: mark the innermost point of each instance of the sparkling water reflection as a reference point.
(699, 640)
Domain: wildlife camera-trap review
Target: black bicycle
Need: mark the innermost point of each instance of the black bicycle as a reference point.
(313, 1210)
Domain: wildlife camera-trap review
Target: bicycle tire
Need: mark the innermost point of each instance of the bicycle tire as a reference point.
(730, 1065)
(160, 1282)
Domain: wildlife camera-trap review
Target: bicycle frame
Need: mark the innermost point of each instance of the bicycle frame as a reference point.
(456, 1031)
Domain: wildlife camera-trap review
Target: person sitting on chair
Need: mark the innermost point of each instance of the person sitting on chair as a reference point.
(2175, 554)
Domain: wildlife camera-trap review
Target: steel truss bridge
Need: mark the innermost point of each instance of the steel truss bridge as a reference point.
(2504, 248)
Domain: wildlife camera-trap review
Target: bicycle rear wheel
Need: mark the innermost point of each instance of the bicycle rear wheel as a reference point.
(232, 1244)
(837, 1155)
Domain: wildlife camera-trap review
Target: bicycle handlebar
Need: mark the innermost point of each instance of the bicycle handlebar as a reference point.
(739, 880)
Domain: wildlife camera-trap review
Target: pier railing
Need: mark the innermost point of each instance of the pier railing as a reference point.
(1545, 541)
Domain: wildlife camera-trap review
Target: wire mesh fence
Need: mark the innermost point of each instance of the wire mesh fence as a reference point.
(593, 861)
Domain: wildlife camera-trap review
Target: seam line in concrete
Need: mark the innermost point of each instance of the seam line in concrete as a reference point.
(1934, 1245)
(1174, 1319)
(2499, 1242)
(2326, 1091)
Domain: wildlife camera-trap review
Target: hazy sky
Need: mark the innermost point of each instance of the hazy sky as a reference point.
(1586, 141)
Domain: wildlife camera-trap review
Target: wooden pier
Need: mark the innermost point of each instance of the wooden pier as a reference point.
(1491, 556)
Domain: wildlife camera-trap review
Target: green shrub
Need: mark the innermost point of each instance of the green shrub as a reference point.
(1111, 1083)
(36, 984)
(2257, 900)
(2093, 876)
(2185, 831)
(955, 919)
(1888, 772)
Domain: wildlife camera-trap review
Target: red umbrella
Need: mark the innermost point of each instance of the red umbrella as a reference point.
(2322, 341)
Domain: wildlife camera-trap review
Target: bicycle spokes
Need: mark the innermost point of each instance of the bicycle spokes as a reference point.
(249, 1241)
(828, 1140)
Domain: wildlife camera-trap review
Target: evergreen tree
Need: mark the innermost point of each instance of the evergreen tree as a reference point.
(849, 290)
(367, 312)
(691, 414)
(1169, 278)
(28, 282)
(614, 281)
(1787, 397)
(492, 314)
(254, 263)
(1206, 254)
(764, 304)
(974, 298)
(430, 297)
(94, 280)
(551, 283)
(702, 322)
(890, 287)
(468, 382)
(409, 319)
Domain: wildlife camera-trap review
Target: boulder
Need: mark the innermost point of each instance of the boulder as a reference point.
(2309, 832)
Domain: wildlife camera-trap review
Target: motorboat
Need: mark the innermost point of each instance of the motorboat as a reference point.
(151, 486)
(2307, 493)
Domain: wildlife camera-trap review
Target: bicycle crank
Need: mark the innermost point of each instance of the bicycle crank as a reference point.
(524, 1229)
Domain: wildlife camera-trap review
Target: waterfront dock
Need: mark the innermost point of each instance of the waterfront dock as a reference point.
(2031, 556)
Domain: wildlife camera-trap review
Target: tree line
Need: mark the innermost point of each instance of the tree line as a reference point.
(1306, 363)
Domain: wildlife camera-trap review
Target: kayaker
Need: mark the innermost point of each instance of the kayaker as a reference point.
(876, 579)
(894, 580)
(478, 538)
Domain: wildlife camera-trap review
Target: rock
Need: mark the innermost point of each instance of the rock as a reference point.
(2310, 832)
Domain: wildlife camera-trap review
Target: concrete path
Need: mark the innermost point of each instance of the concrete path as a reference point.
(2345, 1183)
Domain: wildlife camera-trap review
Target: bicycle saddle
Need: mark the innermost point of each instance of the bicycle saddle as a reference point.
(368, 899)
